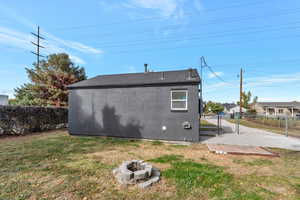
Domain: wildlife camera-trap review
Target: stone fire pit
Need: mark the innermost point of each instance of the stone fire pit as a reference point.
(137, 172)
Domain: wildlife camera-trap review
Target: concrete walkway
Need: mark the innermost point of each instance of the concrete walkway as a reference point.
(251, 137)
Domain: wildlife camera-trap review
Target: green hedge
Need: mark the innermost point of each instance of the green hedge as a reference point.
(21, 120)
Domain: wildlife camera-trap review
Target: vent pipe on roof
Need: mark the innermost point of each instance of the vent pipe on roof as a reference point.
(146, 67)
(190, 74)
(162, 76)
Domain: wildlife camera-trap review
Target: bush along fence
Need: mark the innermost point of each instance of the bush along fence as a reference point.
(20, 120)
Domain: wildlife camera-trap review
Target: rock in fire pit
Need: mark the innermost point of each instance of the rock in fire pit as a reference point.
(137, 172)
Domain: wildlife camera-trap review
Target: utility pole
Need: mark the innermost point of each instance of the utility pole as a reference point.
(241, 91)
(38, 46)
(202, 65)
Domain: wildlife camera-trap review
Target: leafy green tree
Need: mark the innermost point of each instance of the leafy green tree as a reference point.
(49, 81)
(212, 107)
(246, 99)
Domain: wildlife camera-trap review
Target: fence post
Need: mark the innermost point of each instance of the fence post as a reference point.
(237, 129)
(218, 124)
(286, 126)
(221, 123)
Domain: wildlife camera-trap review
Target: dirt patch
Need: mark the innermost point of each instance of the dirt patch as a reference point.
(21, 138)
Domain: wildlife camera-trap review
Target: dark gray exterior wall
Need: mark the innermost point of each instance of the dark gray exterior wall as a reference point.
(137, 112)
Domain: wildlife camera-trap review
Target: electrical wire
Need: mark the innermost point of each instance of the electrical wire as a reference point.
(217, 21)
(156, 18)
(208, 45)
(193, 37)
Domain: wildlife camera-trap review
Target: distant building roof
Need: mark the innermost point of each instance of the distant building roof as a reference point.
(141, 79)
(292, 104)
(228, 106)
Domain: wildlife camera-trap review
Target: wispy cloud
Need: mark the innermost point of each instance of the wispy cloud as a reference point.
(276, 80)
(273, 79)
(165, 7)
(14, 16)
(15, 38)
(53, 44)
(72, 44)
(213, 75)
(175, 9)
(198, 5)
(217, 86)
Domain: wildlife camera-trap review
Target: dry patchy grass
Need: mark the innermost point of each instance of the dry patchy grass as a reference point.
(58, 166)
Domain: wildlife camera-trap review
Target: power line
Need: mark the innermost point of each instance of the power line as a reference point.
(156, 18)
(193, 38)
(204, 64)
(38, 46)
(216, 75)
(297, 60)
(230, 20)
(204, 45)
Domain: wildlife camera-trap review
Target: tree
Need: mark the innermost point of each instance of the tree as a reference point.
(213, 107)
(246, 99)
(49, 81)
(255, 100)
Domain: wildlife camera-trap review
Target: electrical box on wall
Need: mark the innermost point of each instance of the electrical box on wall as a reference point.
(186, 125)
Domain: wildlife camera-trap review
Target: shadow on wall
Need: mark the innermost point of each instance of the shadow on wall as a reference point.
(111, 124)
(85, 122)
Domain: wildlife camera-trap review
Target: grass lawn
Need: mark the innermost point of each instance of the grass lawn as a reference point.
(207, 126)
(203, 122)
(55, 165)
(252, 124)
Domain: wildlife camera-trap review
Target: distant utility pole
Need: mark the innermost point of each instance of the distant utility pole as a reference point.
(202, 65)
(38, 46)
(241, 91)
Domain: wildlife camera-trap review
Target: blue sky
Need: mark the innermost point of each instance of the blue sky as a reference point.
(119, 36)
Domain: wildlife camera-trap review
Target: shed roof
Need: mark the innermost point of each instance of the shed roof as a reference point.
(228, 106)
(141, 79)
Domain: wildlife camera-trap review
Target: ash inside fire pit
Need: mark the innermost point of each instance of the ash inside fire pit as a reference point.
(135, 166)
(137, 172)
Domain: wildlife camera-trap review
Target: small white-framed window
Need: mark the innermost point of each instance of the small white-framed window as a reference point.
(179, 100)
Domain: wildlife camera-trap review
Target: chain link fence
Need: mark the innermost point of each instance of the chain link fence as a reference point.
(283, 124)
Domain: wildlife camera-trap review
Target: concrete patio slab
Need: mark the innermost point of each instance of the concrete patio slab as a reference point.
(251, 137)
(240, 150)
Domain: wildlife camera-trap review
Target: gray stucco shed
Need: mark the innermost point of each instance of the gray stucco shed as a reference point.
(151, 105)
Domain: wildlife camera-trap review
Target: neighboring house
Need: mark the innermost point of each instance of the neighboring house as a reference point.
(3, 100)
(278, 108)
(228, 106)
(231, 108)
(236, 109)
(152, 105)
